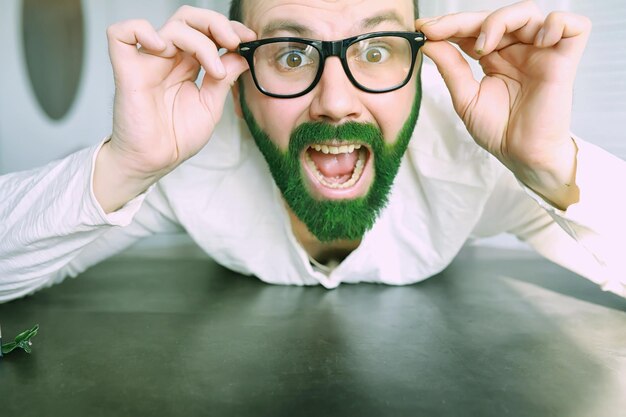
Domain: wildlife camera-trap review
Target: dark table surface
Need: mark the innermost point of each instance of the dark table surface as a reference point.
(498, 333)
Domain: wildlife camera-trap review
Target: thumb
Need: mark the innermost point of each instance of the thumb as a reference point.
(456, 73)
(214, 90)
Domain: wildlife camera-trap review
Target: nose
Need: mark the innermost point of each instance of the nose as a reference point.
(335, 100)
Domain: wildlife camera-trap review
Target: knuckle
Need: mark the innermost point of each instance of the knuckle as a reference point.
(555, 17)
(119, 28)
(184, 10)
(535, 9)
(220, 23)
(172, 26)
(111, 30)
(140, 24)
(493, 22)
(135, 23)
(177, 24)
(212, 14)
(220, 18)
(531, 4)
(143, 23)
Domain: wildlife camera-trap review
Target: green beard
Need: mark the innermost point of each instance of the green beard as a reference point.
(331, 220)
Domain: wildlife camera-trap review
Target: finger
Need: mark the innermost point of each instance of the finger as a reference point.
(467, 45)
(454, 28)
(124, 37)
(245, 34)
(520, 22)
(561, 25)
(194, 43)
(423, 20)
(523, 18)
(497, 64)
(215, 91)
(214, 25)
(456, 73)
(460, 25)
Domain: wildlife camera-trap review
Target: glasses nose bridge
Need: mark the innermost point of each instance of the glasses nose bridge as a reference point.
(333, 48)
(337, 49)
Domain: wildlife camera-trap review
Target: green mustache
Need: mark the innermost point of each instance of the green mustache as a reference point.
(311, 133)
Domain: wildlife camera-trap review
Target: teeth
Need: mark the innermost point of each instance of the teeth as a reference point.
(335, 150)
(356, 174)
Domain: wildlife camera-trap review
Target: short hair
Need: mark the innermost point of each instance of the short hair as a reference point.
(236, 10)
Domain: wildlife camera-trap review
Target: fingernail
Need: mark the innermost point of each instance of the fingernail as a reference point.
(540, 35)
(480, 43)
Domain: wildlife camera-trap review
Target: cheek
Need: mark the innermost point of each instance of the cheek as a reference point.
(391, 110)
(277, 117)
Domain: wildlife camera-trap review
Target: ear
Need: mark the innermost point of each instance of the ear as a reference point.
(235, 92)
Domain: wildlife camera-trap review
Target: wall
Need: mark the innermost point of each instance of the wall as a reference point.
(600, 91)
(28, 138)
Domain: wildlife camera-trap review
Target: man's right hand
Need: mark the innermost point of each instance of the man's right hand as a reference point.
(160, 116)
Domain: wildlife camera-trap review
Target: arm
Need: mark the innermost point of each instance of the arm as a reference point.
(586, 238)
(161, 117)
(520, 111)
(53, 218)
(53, 226)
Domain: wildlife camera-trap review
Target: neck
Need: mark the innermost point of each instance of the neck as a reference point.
(320, 251)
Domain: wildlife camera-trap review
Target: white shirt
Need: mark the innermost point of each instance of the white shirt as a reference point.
(447, 190)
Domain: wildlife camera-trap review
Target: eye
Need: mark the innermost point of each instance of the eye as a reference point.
(294, 59)
(374, 54)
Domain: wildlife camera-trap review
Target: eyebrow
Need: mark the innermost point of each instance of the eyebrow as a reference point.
(285, 26)
(303, 31)
(372, 22)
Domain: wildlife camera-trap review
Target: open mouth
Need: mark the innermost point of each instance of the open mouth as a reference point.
(338, 169)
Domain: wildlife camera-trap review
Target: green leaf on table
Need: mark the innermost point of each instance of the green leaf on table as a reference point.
(21, 341)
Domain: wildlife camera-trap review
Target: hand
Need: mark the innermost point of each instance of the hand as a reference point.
(160, 116)
(521, 110)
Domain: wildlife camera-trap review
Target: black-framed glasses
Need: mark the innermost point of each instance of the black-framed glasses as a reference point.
(289, 67)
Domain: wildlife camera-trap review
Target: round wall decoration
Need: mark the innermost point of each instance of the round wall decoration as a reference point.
(53, 42)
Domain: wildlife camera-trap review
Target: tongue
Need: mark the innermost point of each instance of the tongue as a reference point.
(332, 166)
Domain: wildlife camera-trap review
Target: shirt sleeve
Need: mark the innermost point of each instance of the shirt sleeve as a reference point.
(587, 237)
(53, 226)
(597, 221)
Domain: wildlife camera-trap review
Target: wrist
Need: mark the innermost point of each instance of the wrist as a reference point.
(554, 180)
(116, 181)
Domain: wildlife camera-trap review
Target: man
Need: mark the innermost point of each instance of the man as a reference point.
(331, 94)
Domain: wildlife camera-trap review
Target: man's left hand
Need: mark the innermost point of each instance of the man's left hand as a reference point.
(521, 110)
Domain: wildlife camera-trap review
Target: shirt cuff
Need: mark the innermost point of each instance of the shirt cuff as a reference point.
(601, 202)
(596, 221)
(124, 215)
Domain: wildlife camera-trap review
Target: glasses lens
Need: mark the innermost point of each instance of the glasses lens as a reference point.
(285, 68)
(380, 63)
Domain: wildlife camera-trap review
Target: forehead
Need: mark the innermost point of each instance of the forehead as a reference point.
(328, 19)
